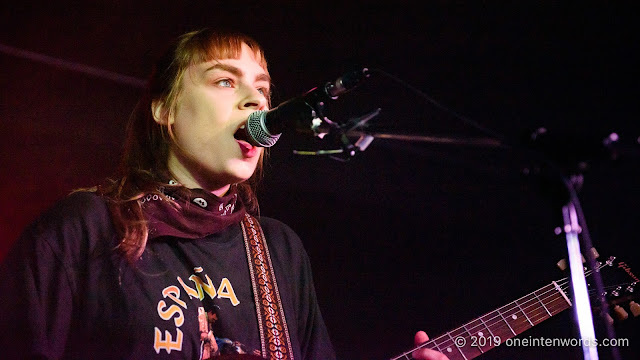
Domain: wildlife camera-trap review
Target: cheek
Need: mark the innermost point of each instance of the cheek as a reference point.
(198, 121)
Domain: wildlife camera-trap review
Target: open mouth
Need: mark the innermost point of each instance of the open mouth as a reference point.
(241, 134)
(242, 137)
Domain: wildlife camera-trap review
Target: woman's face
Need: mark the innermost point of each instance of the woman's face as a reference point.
(216, 99)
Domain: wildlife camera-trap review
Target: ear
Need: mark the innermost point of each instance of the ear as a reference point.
(161, 113)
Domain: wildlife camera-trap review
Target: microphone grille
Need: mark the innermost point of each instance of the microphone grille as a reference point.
(257, 130)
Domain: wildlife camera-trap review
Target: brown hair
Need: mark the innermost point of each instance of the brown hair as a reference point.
(143, 167)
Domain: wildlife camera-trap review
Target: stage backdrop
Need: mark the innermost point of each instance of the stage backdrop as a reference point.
(407, 235)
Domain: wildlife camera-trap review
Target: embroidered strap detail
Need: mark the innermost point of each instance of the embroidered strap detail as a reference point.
(272, 325)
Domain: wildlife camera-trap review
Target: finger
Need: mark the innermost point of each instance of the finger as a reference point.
(425, 354)
(420, 338)
(428, 354)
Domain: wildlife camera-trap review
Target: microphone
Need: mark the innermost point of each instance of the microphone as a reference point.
(264, 127)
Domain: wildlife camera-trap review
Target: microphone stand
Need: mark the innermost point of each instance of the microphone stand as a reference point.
(572, 217)
(478, 141)
(573, 153)
(584, 316)
(571, 211)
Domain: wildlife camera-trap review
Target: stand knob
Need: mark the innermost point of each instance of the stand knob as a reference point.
(635, 308)
(620, 313)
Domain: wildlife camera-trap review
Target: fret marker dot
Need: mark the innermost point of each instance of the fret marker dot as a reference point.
(480, 334)
(514, 316)
(449, 350)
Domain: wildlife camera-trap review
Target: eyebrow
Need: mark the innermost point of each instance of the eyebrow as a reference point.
(237, 71)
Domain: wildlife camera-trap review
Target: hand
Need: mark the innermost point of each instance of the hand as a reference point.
(426, 354)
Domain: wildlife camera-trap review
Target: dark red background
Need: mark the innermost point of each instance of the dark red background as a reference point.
(405, 236)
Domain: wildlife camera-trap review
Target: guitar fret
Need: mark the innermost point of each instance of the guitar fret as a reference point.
(545, 308)
(564, 295)
(479, 338)
(485, 325)
(505, 321)
(485, 340)
(445, 347)
(470, 340)
(496, 324)
(525, 314)
(456, 345)
(516, 318)
(536, 312)
(462, 341)
(435, 344)
(557, 304)
(558, 301)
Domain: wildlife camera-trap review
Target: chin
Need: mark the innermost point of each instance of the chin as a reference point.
(243, 178)
(237, 171)
(243, 174)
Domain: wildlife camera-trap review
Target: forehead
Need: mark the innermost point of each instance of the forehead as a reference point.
(246, 61)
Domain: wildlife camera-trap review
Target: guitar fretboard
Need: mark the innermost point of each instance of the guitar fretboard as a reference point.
(494, 328)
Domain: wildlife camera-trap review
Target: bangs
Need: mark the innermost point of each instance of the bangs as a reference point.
(195, 48)
(214, 46)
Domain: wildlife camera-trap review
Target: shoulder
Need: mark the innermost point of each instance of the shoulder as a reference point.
(78, 220)
(282, 240)
(276, 227)
(78, 208)
(82, 203)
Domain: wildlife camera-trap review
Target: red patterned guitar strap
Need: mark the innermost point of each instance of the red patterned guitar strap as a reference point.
(274, 334)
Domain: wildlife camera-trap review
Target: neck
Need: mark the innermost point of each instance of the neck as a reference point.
(186, 178)
(222, 191)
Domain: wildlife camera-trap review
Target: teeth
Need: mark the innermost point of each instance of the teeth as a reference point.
(242, 126)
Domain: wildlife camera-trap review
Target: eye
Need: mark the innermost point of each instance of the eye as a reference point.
(225, 83)
(263, 91)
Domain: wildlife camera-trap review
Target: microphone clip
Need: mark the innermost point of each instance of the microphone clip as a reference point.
(315, 99)
(347, 149)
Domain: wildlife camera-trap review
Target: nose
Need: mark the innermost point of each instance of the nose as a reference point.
(254, 100)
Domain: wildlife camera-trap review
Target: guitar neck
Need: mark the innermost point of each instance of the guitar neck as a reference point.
(491, 329)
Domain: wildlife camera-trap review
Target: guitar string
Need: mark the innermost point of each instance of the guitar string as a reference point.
(562, 283)
(435, 345)
(533, 300)
(532, 316)
(501, 328)
(554, 310)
